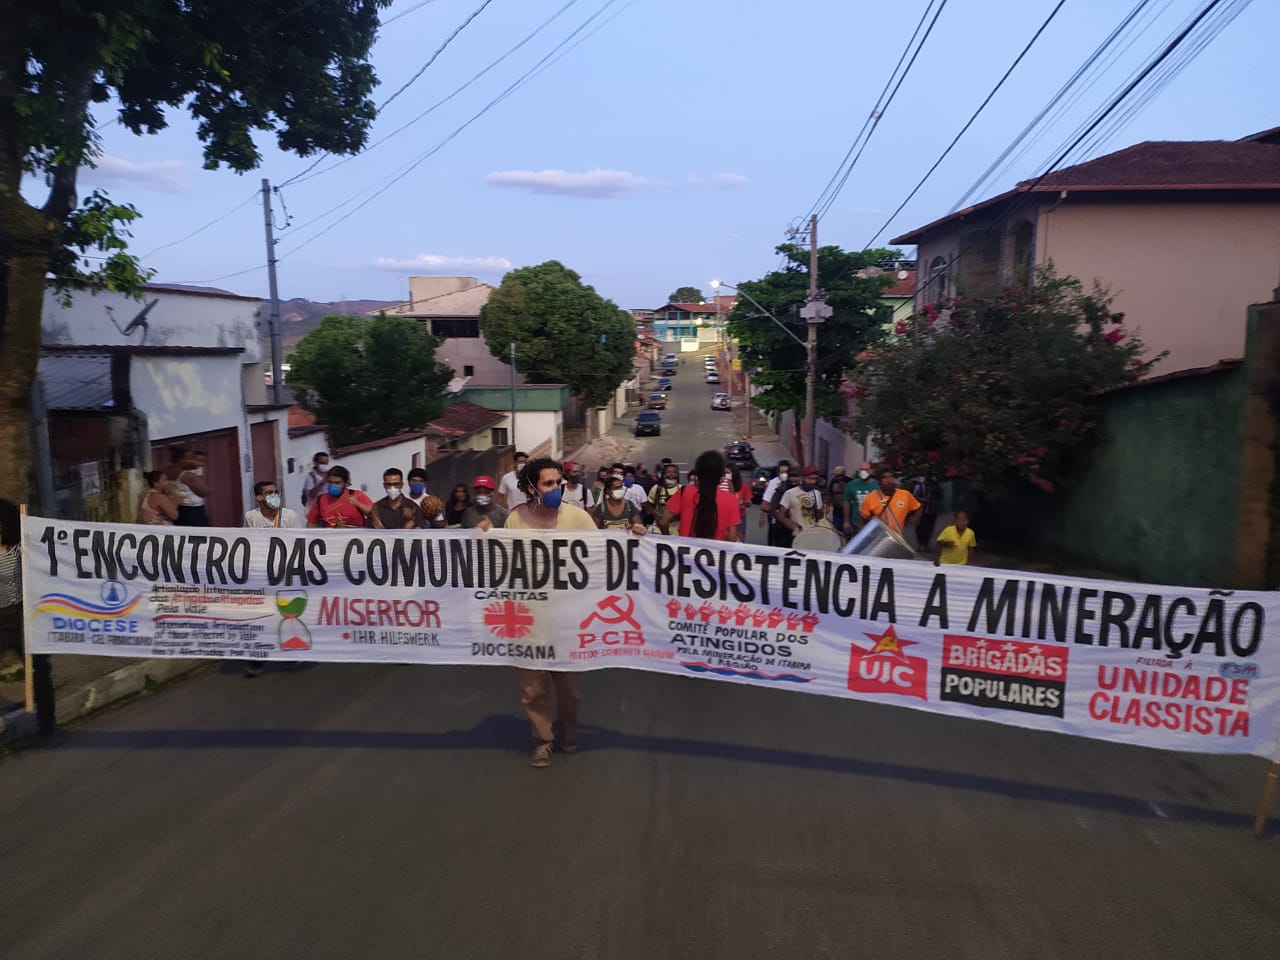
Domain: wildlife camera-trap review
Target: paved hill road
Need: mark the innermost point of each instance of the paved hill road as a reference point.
(389, 811)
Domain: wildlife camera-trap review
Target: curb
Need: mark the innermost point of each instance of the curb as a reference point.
(106, 690)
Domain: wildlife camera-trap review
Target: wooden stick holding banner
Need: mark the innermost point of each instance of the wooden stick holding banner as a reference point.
(1268, 794)
(28, 679)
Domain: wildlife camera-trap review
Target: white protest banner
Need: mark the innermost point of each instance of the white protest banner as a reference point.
(1180, 668)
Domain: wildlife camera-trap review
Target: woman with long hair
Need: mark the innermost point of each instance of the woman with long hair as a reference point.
(703, 509)
(458, 505)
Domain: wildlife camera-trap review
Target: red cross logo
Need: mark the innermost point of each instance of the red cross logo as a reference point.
(508, 620)
(613, 609)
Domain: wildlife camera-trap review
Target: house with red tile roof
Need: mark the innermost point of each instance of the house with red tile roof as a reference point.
(1184, 234)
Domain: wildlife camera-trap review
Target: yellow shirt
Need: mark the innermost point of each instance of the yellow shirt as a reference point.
(958, 550)
(568, 517)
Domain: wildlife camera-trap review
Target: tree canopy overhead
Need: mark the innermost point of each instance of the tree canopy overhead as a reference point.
(686, 295)
(563, 330)
(299, 71)
(855, 322)
(367, 379)
(983, 389)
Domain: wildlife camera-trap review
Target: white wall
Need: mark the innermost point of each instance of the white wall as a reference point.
(366, 466)
(535, 427)
(177, 319)
(183, 395)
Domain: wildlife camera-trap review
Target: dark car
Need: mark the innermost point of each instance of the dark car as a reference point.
(664, 383)
(741, 454)
(669, 369)
(657, 401)
(759, 480)
(648, 423)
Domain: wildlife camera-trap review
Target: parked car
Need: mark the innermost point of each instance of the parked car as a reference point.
(740, 453)
(669, 358)
(713, 377)
(664, 383)
(760, 478)
(657, 401)
(719, 401)
(648, 423)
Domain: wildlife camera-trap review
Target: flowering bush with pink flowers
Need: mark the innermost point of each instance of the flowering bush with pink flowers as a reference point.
(982, 388)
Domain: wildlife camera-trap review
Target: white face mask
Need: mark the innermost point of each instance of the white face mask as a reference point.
(272, 501)
(617, 494)
(393, 493)
(863, 474)
(483, 500)
(782, 474)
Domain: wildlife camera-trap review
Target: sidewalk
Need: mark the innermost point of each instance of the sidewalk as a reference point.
(83, 685)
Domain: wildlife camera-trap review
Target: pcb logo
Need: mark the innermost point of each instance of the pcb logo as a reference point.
(508, 620)
(885, 668)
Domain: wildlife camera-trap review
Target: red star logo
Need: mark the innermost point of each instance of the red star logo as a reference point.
(889, 642)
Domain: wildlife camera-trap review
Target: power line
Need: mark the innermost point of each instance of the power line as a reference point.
(968, 123)
(841, 177)
(1054, 101)
(199, 230)
(406, 12)
(439, 50)
(422, 158)
(302, 177)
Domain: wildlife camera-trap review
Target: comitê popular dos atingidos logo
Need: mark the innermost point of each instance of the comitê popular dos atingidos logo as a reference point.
(109, 614)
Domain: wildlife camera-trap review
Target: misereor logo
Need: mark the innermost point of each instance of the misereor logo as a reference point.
(885, 668)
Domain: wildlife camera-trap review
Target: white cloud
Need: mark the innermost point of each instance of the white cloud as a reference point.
(730, 181)
(169, 176)
(434, 263)
(594, 184)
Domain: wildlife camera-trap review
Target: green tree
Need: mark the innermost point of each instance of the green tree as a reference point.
(982, 389)
(563, 330)
(686, 295)
(366, 379)
(856, 320)
(299, 70)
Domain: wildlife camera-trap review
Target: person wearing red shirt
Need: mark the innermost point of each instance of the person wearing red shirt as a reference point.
(705, 510)
(340, 506)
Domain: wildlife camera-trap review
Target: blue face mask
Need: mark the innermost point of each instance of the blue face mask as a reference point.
(628, 481)
(335, 489)
(416, 488)
(551, 499)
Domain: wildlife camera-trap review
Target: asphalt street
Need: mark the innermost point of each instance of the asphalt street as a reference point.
(344, 811)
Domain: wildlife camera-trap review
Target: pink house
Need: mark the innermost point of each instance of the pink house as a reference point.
(1185, 234)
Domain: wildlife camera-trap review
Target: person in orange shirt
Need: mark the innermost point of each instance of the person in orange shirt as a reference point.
(891, 504)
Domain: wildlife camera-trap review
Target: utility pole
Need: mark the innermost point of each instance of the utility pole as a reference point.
(814, 311)
(513, 396)
(277, 385)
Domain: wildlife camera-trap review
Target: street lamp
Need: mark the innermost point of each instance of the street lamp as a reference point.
(811, 363)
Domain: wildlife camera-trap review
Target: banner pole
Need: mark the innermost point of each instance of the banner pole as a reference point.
(28, 680)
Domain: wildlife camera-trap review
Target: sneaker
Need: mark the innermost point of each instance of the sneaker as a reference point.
(541, 756)
(569, 746)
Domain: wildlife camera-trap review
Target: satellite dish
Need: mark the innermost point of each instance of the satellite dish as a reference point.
(902, 274)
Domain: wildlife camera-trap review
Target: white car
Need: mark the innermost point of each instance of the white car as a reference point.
(713, 377)
(720, 401)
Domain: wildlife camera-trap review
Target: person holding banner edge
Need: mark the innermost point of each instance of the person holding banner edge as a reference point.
(543, 509)
(892, 505)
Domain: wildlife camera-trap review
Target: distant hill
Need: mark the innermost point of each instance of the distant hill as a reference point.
(298, 317)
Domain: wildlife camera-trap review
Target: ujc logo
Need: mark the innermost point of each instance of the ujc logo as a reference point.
(885, 668)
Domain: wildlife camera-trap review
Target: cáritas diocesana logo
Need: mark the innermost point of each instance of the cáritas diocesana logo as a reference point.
(508, 619)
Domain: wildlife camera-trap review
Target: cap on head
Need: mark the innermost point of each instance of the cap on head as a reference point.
(484, 481)
(810, 471)
(569, 466)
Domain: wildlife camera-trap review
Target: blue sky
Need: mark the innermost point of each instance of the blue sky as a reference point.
(674, 145)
